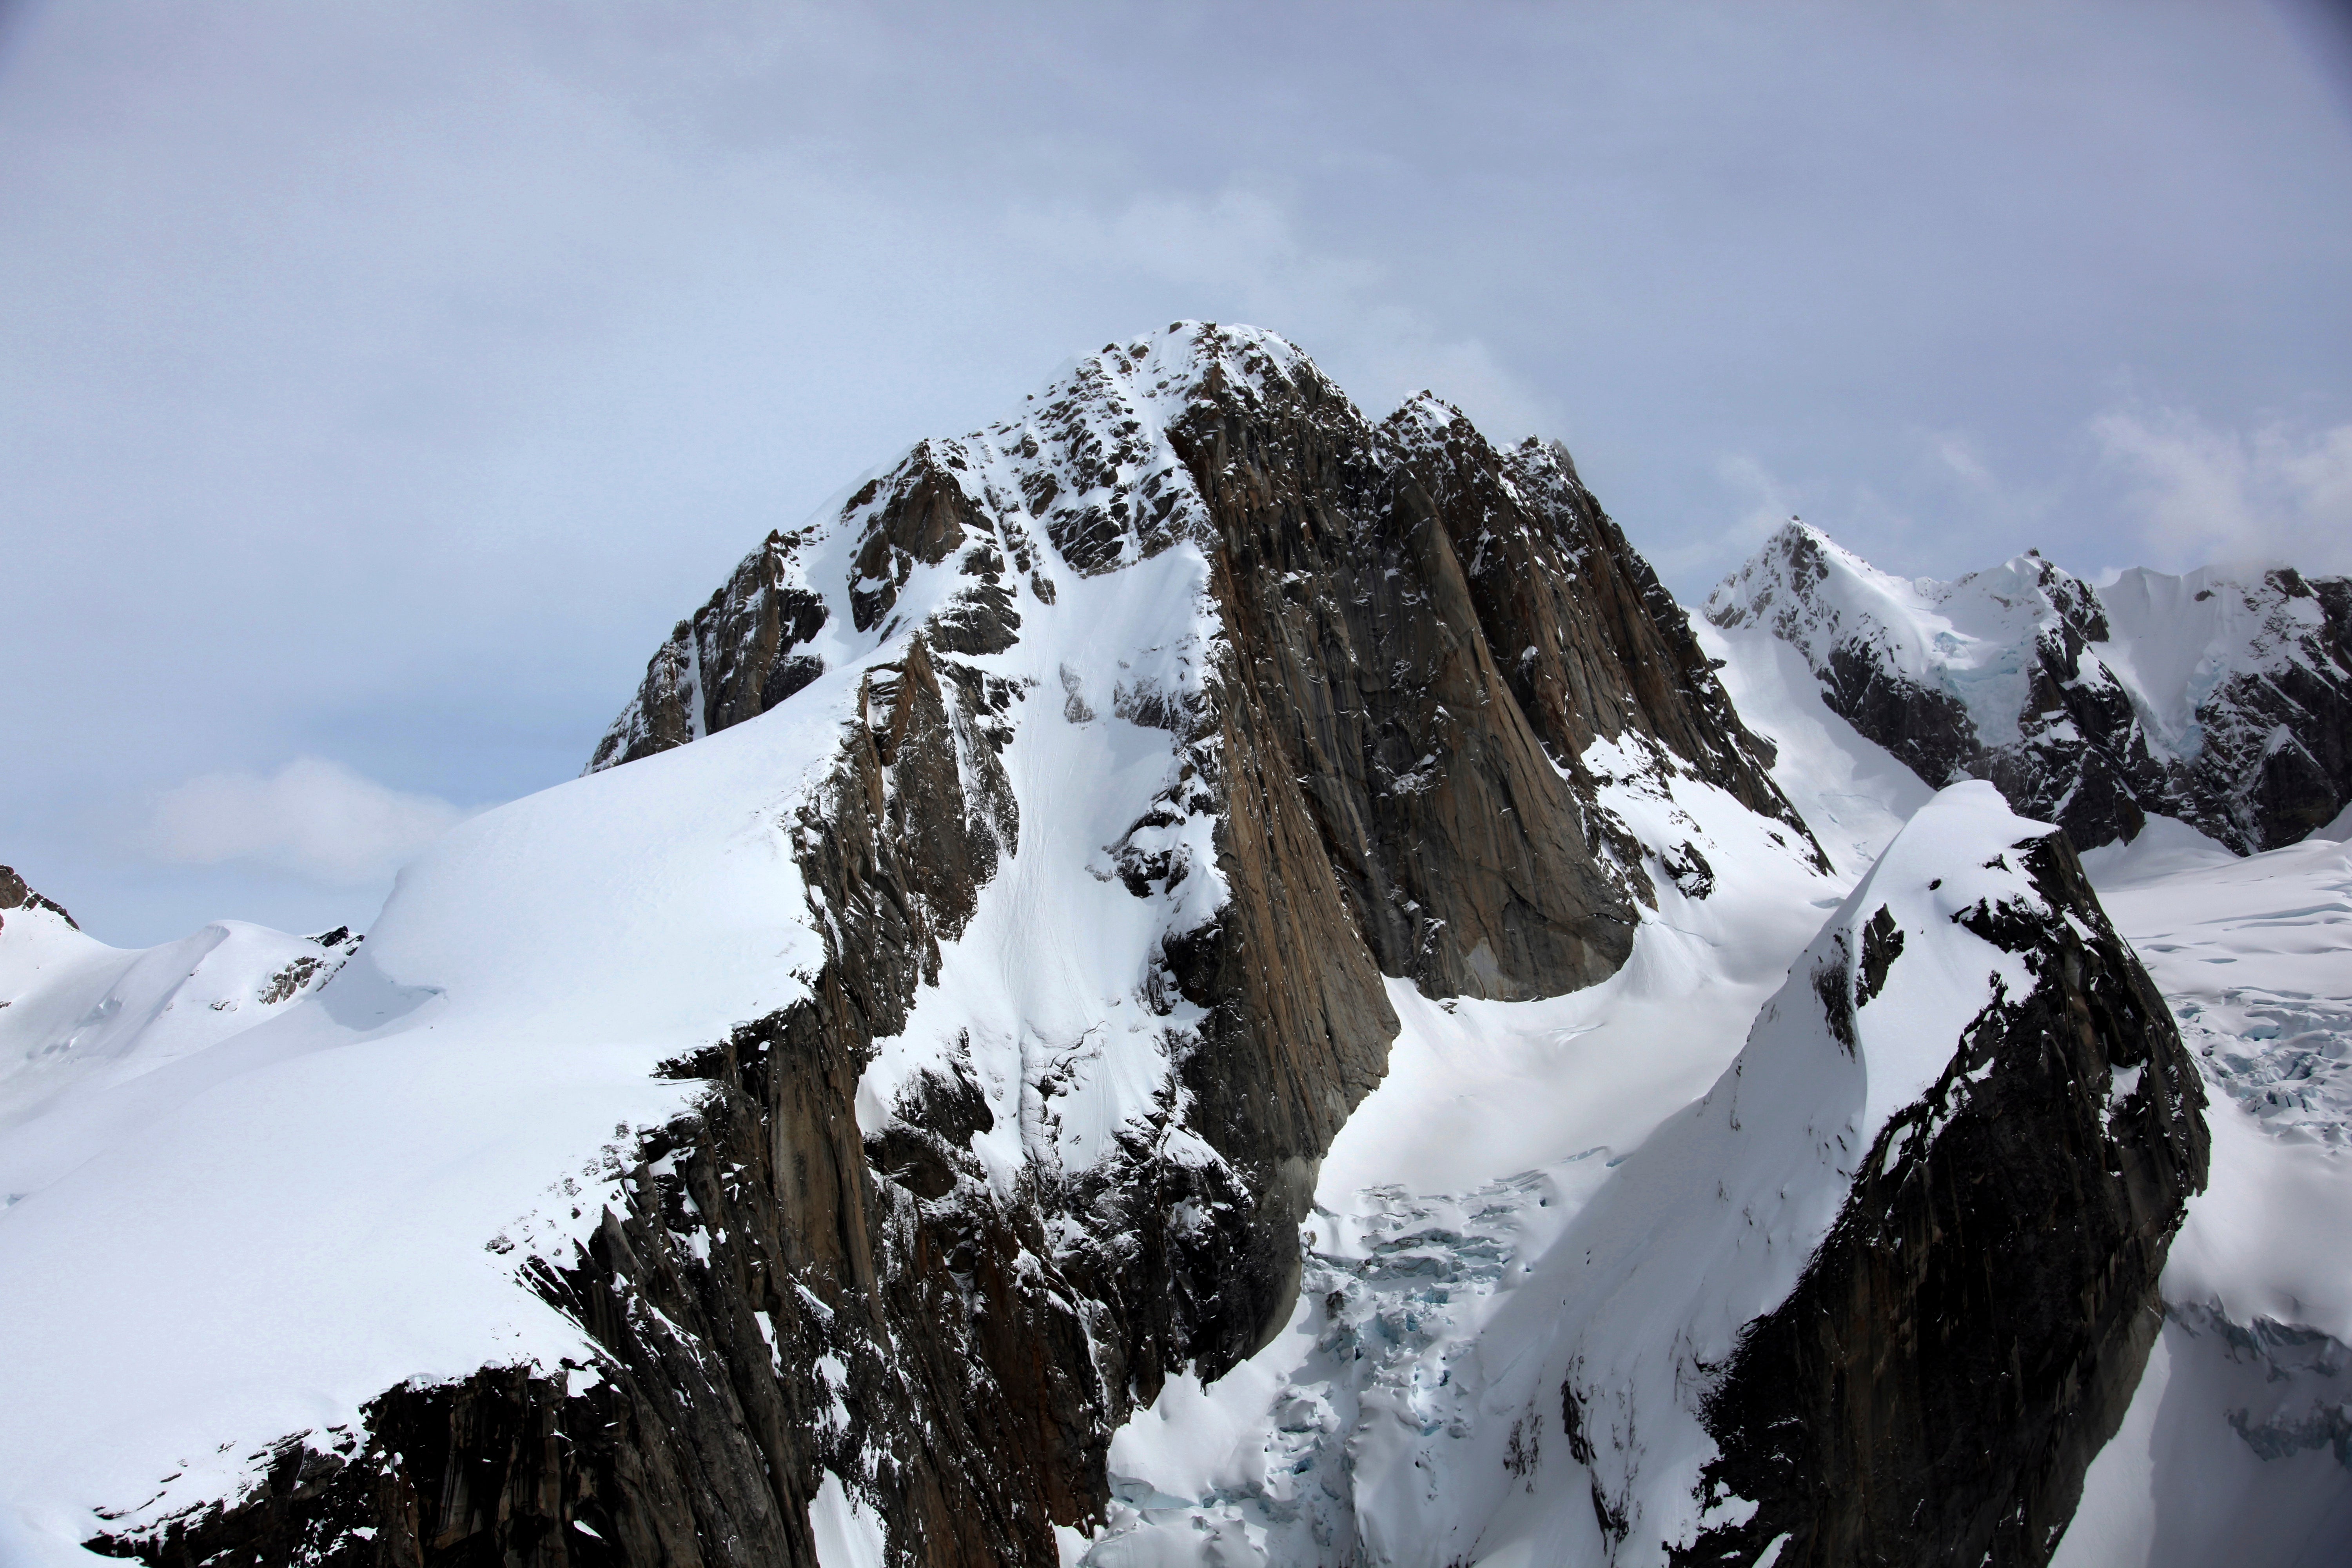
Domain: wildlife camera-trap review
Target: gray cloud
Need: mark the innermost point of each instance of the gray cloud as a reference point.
(2274, 494)
(379, 383)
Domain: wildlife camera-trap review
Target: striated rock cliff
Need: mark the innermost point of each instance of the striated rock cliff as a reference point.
(1182, 710)
(2221, 698)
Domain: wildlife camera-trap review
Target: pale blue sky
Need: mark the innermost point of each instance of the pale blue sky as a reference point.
(378, 383)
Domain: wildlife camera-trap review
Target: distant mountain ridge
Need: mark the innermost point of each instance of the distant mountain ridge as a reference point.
(2220, 698)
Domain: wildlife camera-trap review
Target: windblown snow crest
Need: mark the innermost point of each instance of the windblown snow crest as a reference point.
(2222, 699)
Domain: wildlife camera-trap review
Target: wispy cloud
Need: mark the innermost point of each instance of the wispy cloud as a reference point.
(313, 817)
(2207, 492)
(1955, 453)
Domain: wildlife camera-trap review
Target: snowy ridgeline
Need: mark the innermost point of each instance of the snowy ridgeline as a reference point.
(1593, 1192)
(2222, 697)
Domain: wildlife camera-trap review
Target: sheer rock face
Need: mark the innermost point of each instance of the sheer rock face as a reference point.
(1407, 642)
(1590, 642)
(1969, 1335)
(2223, 700)
(733, 660)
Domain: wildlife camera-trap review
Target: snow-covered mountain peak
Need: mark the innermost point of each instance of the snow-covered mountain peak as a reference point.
(14, 894)
(1970, 639)
(914, 1039)
(1422, 419)
(962, 536)
(2221, 698)
(1185, 976)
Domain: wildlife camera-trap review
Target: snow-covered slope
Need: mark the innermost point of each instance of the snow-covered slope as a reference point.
(2222, 699)
(78, 1018)
(1496, 1122)
(1185, 977)
(2239, 1445)
(833, 1120)
(260, 1231)
(2232, 1448)
(1370, 1426)
(1537, 1368)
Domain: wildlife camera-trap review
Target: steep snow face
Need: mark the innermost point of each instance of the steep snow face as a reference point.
(1052, 1001)
(2220, 698)
(2234, 1450)
(2178, 641)
(1852, 791)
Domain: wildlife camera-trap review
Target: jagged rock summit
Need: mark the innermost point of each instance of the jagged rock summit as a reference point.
(15, 895)
(973, 1072)
(1231, 440)
(881, 1099)
(2219, 698)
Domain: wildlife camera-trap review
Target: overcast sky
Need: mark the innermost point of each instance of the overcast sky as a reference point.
(379, 384)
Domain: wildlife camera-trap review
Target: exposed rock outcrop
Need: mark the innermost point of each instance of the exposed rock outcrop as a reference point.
(15, 895)
(733, 659)
(1969, 1335)
(2221, 698)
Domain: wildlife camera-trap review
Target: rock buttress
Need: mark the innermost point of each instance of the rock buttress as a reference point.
(1969, 1335)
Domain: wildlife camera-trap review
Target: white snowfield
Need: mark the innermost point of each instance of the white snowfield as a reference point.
(2238, 1448)
(233, 1216)
(217, 1240)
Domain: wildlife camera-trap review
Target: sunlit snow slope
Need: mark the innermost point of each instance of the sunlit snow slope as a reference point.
(215, 1242)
